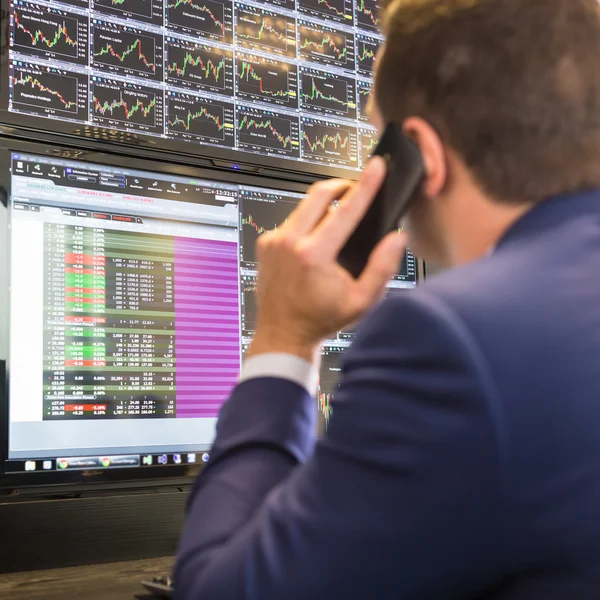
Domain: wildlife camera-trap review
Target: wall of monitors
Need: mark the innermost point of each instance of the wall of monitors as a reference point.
(279, 82)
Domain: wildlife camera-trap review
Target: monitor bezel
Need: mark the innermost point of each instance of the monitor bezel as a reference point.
(285, 168)
(149, 475)
(144, 160)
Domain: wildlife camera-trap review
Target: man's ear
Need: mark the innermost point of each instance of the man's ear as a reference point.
(433, 152)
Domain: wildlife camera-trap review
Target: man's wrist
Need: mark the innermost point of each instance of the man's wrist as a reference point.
(265, 343)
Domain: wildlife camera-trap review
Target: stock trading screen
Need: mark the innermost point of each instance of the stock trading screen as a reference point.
(248, 76)
(139, 303)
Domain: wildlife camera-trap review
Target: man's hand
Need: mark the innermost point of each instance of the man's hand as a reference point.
(304, 295)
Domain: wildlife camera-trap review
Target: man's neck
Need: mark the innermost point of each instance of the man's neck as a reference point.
(477, 234)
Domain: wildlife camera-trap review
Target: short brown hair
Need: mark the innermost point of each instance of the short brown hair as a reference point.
(512, 86)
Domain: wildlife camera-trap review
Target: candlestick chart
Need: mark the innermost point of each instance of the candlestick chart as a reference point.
(248, 286)
(211, 18)
(329, 378)
(127, 104)
(50, 34)
(328, 93)
(200, 66)
(267, 130)
(325, 45)
(368, 143)
(329, 142)
(47, 91)
(204, 119)
(261, 29)
(127, 50)
(332, 10)
(260, 216)
(366, 53)
(149, 11)
(364, 89)
(368, 14)
(266, 80)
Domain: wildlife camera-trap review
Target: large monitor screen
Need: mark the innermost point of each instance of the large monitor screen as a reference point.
(286, 79)
(131, 305)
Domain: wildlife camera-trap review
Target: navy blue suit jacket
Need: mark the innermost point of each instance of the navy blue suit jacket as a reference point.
(463, 455)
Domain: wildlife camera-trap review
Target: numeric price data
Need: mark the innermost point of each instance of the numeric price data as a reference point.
(109, 340)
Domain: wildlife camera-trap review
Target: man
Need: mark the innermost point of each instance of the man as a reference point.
(463, 455)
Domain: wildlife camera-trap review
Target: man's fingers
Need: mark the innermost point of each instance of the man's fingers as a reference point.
(383, 263)
(316, 204)
(335, 229)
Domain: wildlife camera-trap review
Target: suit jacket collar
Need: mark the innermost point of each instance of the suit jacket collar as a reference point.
(552, 213)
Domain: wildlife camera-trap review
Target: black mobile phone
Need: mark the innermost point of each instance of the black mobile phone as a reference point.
(405, 173)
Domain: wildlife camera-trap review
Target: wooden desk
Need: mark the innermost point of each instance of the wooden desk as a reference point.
(113, 581)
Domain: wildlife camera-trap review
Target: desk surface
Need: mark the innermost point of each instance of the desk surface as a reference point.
(114, 581)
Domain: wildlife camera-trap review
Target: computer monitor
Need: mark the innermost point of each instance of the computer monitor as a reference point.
(130, 306)
(277, 83)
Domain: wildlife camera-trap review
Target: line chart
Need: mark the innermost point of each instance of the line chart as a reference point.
(336, 141)
(209, 69)
(122, 56)
(202, 7)
(129, 109)
(251, 124)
